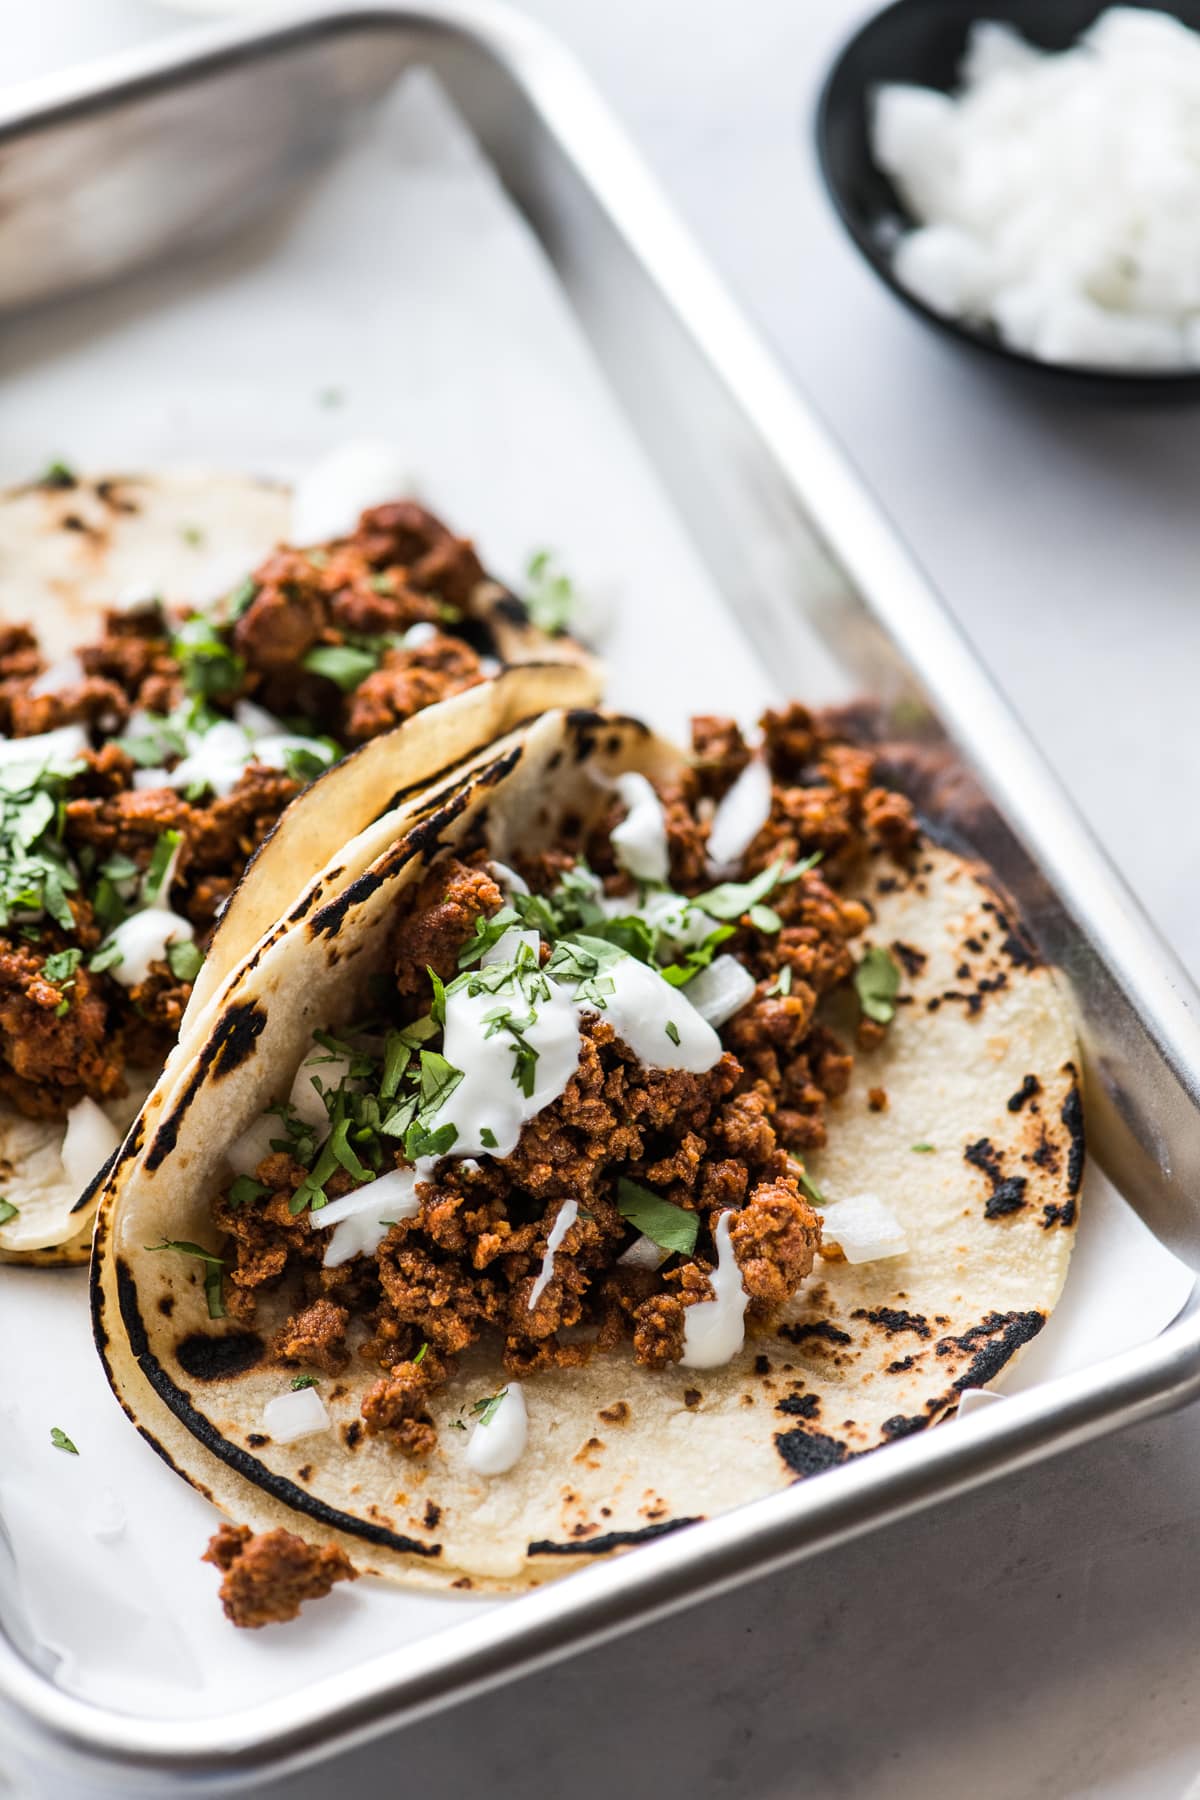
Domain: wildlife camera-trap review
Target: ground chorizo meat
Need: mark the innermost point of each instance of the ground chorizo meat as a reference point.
(143, 693)
(473, 1261)
(267, 1578)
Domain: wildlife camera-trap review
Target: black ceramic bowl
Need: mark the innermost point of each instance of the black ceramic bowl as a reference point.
(923, 41)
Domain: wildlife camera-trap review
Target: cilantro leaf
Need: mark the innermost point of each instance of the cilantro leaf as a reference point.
(665, 1224)
(877, 982)
(487, 1137)
(733, 899)
(61, 1441)
(550, 597)
(185, 958)
(303, 1381)
(486, 1409)
(487, 932)
(8, 1211)
(213, 1265)
(245, 1189)
(210, 667)
(344, 664)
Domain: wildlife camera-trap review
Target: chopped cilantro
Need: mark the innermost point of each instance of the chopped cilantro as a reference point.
(156, 882)
(877, 982)
(304, 762)
(58, 474)
(245, 1189)
(810, 1188)
(241, 599)
(8, 1211)
(487, 1137)
(185, 958)
(679, 974)
(210, 667)
(550, 595)
(106, 957)
(344, 664)
(923, 1148)
(192, 535)
(213, 1265)
(61, 1441)
(486, 1409)
(303, 1381)
(487, 933)
(672, 1031)
(437, 1006)
(59, 969)
(420, 1356)
(420, 1142)
(665, 1224)
(734, 899)
(36, 874)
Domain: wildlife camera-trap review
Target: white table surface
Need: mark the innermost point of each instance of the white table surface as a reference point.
(1037, 1639)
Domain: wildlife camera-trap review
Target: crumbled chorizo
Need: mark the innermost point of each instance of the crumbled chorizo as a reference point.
(267, 1578)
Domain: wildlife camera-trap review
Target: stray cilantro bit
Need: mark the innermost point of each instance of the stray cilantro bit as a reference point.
(209, 666)
(186, 959)
(782, 983)
(241, 599)
(877, 982)
(8, 1211)
(344, 664)
(810, 1188)
(330, 396)
(487, 933)
(193, 535)
(486, 1409)
(664, 1223)
(213, 1265)
(303, 1381)
(672, 1031)
(550, 597)
(245, 1189)
(734, 899)
(304, 762)
(458, 1425)
(420, 1356)
(61, 1441)
(58, 474)
(157, 880)
(106, 957)
(923, 1148)
(487, 1137)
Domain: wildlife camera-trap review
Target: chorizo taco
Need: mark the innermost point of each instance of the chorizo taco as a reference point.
(151, 752)
(639, 1133)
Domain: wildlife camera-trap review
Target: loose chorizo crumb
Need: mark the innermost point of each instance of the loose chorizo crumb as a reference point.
(268, 1577)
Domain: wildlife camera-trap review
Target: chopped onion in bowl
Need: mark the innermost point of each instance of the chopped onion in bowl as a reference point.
(863, 1229)
(740, 817)
(720, 990)
(91, 1137)
(295, 1414)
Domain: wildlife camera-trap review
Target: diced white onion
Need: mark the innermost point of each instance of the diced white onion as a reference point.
(640, 840)
(45, 749)
(420, 633)
(330, 498)
(496, 1447)
(864, 1229)
(509, 880)
(358, 1218)
(740, 816)
(296, 1414)
(89, 1141)
(143, 938)
(256, 721)
(975, 1400)
(644, 1253)
(1058, 195)
(721, 990)
(67, 672)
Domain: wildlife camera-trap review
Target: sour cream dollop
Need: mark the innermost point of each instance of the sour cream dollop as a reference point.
(640, 841)
(497, 1447)
(714, 1330)
(568, 1212)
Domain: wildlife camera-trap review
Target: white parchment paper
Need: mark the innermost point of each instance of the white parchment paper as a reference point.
(399, 297)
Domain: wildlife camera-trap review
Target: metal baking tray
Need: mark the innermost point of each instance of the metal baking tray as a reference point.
(104, 174)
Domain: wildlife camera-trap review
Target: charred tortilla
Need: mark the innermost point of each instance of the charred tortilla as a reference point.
(92, 708)
(963, 1116)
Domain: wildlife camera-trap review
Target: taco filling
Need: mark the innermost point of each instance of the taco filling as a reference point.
(140, 774)
(573, 1115)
